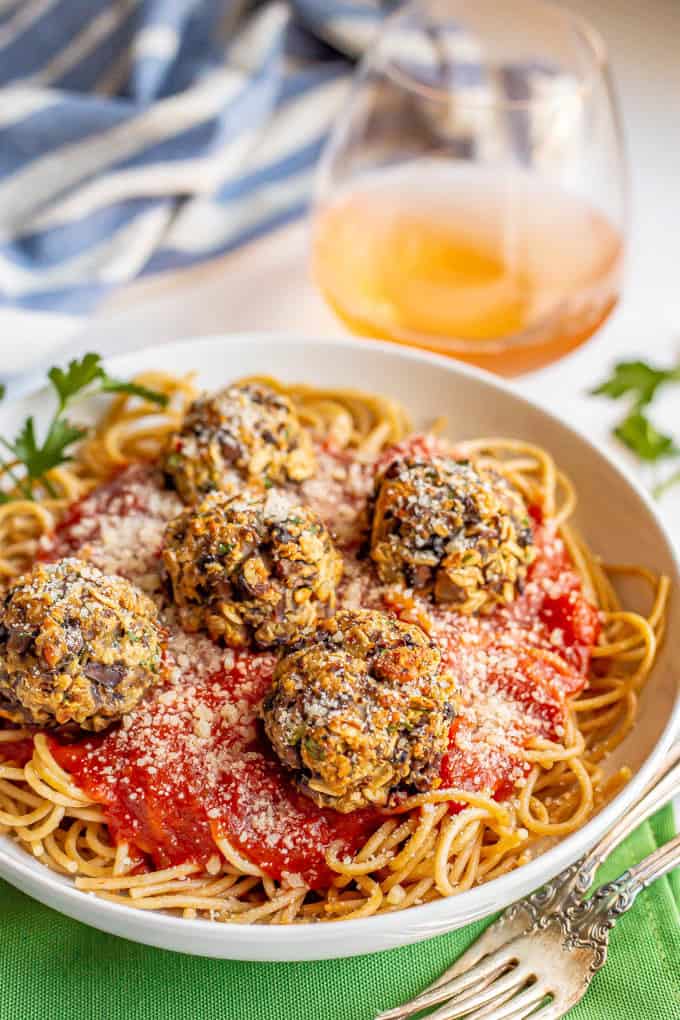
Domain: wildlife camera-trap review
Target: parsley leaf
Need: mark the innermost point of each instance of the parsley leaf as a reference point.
(638, 379)
(81, 374)
(639, 435)
(3, 390)
(109, 385)
(76, 378)
(640, 382)
(37, 457)
(666, 484)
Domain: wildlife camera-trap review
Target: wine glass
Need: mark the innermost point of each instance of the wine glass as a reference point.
(472, 197)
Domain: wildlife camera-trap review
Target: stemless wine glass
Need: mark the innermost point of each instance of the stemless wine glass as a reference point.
(472, 197)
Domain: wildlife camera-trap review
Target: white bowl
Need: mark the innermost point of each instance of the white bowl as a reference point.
(618, 520)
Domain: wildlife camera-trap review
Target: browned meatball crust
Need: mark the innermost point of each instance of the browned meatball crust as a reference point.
(76, 646)
(251, 569)
(245, 432)
(360, 709)
(450, 530)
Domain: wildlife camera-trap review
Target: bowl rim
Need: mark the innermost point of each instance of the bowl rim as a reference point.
(311, 938)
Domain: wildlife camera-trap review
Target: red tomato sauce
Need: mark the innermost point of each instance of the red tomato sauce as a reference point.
(538, 684)
(170, 794)
(171, 805)
(19, 752)
(119, 494)
(303, 831)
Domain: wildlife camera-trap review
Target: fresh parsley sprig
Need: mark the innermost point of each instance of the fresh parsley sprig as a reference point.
(637, 379)
(81, 375)
(640, 382)
(33, 458)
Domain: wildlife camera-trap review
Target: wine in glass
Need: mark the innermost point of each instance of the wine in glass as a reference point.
(472, 196)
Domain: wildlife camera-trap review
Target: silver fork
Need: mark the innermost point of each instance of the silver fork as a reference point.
(538, 959)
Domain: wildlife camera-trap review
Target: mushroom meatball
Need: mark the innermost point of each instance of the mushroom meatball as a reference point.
(251, 568)
(76, 646)
(448, 529)
(360, 708)
(247, 431)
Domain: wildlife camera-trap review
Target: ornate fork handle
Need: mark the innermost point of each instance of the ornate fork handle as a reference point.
(567, 890)
(576, 880)
(587, 924)
(558, 917)
(656, 865)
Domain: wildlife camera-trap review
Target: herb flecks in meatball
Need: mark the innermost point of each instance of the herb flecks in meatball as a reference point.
(360, 709)
(251, 568)
(245, 432)
(450, 530)
(76, 646)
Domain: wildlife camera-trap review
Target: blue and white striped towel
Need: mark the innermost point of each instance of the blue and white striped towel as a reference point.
(141, 135)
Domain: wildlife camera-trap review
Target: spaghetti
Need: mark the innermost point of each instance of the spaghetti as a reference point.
(551, 688)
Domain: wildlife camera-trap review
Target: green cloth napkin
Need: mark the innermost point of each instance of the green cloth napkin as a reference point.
(52, 968)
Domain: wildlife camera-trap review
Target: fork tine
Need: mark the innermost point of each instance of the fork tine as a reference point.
(479, 975)
(513, 1008)
(496, 935)
(553, 1011)
(479, 1003)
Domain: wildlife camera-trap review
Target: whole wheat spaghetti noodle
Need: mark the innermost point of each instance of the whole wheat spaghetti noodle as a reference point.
(422, 847)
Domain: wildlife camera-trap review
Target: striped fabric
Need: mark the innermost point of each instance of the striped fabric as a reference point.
(142, 135)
